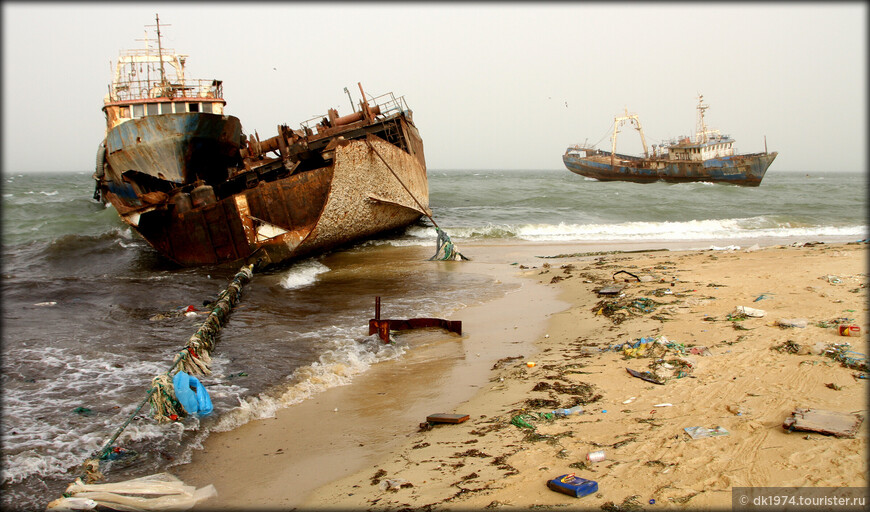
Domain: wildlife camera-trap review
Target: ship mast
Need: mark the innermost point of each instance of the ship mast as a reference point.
(160, 53)
(700, 126)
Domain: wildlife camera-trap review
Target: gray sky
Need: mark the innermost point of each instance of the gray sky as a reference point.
(492, 86)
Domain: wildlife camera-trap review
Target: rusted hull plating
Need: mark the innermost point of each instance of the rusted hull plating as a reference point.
(745, 170)
(353, 199)
(173, 147)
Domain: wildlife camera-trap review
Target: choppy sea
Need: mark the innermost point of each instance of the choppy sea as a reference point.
(91, 313)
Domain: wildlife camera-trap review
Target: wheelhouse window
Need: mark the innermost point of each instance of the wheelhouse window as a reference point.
(179, 107)
(138, 110)
(153, 109)
(194, 107)
(124, 112)
(207, 107)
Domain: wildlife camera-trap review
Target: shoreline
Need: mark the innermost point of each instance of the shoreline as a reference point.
(486, 461)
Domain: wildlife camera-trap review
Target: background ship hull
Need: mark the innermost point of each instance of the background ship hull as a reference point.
(746, 170)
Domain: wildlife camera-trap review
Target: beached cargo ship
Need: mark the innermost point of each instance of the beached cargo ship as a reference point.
(185, 176)
(709, 156)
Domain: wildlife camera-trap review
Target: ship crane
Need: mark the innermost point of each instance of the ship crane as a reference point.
(619, 121)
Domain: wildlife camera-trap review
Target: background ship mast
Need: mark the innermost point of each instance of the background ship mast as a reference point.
(700, 126)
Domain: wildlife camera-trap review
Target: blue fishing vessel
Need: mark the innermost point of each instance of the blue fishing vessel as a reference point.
(708, 156)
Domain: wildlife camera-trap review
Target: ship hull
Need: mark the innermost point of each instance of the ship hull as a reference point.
(177, 148)
(355, 198)
(745, 170)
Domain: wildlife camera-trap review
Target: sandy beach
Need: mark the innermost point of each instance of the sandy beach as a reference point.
(554, 342)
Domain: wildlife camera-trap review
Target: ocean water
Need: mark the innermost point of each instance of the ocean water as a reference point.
(91, 313)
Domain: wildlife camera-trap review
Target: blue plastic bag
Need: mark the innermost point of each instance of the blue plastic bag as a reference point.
(191, 394)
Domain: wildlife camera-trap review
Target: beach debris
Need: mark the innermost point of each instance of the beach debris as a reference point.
(172, 494)
(838, 424)
(572, 485)
(610, 290)
(531, 364)
(561, 413)
(647, 376)
(446, 418)
(630, 400)
(747, 311)
(394, 484)
(833, 386)
(383, 327)
(788, 346)
(664, 405)
(702, 432)
(788, 323)
(629, 504)
(84, 411)
(596, 456)
(831, 279)
(849, 330)
(737, 410)
(524, 420)
(49, 303)
(842, 353)
(625, 272)
(763, 296)
(700, 351)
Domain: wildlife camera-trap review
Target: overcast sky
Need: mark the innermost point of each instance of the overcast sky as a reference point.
(492, 86)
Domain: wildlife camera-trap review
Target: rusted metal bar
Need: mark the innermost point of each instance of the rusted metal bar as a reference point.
(384, 326)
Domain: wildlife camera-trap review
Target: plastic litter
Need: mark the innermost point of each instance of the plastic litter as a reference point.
(702, 432)
(573, 485)
(747, 311)
(191, 394)
(596, 456)
(568, 412)
(174, 494)
(849, 330)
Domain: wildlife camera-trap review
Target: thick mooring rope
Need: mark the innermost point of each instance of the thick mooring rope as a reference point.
(193, 358)
(450, 252)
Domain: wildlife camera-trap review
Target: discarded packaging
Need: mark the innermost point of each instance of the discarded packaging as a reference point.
(702, 432)
(530, 364)
(597, 456)
(756, 313)
(663, 405)
(849, 330)
(573, 485)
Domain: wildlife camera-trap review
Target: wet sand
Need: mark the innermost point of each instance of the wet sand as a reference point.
(314, 457)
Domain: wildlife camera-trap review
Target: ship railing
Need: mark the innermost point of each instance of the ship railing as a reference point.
(388, 103)
(131, 90)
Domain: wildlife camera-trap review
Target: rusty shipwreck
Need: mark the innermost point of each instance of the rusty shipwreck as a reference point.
(183, 174)
(708, 156)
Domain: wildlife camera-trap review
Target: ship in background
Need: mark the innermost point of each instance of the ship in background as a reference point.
(709, 156)
(185, 177)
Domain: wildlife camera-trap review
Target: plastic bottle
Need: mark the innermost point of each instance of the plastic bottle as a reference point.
(568, 412)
